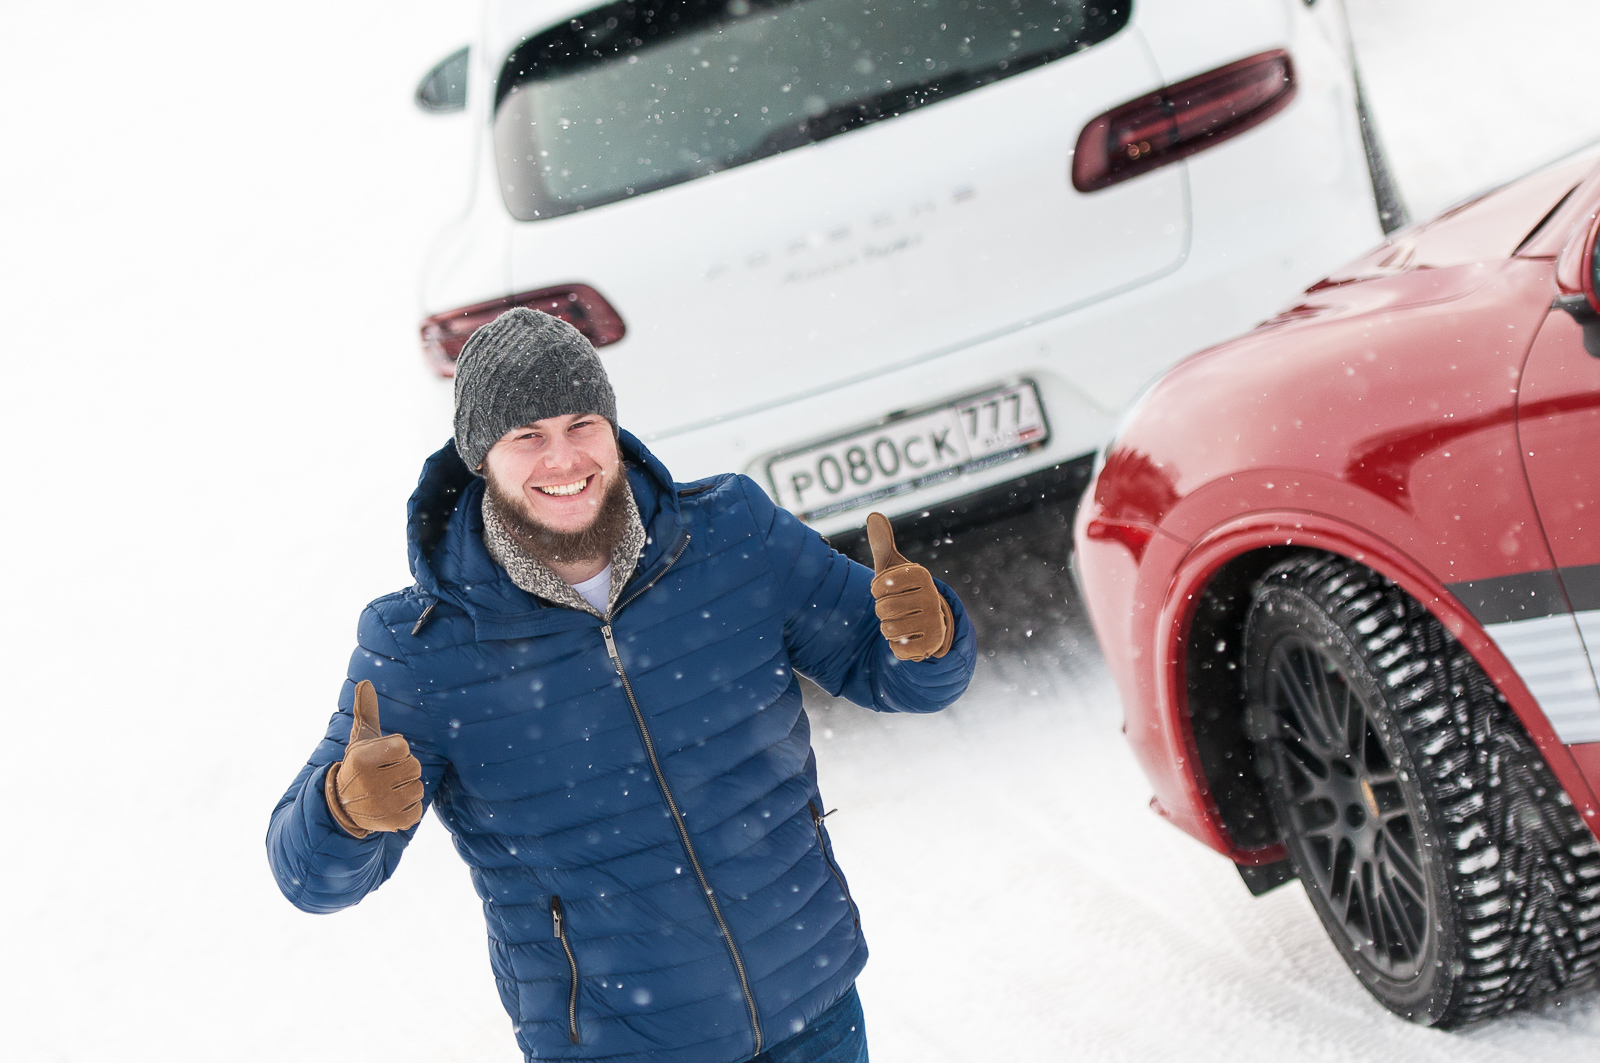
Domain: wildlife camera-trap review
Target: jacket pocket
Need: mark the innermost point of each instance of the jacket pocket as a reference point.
(559, 920)
(817, 817)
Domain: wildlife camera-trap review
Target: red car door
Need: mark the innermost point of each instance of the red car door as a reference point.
(1558, 426)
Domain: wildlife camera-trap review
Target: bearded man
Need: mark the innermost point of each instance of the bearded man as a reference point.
(595, 685)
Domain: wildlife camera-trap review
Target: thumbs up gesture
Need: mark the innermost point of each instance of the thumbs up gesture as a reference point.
(912, 614)
(378, 784)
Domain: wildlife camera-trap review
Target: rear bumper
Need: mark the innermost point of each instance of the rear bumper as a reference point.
(1058, 483)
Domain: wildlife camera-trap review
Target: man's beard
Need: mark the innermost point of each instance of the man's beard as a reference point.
(598, 540)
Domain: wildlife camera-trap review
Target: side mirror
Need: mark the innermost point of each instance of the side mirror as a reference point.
(1591, 275)
(444, 88)
(1583, 305)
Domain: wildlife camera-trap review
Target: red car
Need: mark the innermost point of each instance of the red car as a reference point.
(1345, 570)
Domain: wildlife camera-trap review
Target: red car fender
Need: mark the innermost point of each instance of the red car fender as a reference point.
(1195, 810)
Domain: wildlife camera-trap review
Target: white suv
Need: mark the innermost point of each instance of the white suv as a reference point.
(898, 254)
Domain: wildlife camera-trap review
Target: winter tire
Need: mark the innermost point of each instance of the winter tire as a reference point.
(1447, 865)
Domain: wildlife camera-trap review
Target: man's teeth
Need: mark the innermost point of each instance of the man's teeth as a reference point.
(562, 490)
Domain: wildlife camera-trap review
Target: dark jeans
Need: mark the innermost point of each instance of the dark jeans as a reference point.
(839, 1035)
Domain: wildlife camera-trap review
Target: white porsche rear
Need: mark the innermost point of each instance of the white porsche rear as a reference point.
(891, 294)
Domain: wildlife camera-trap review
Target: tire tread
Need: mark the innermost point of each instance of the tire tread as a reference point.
(1523, 869)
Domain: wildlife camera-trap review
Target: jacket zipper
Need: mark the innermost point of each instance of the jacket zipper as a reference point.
(683, 544)
(816, 820)
(557, 917)
(672, 804)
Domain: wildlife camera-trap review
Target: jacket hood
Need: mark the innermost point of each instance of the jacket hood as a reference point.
(444, 532)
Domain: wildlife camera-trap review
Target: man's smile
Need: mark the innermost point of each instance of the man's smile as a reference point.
(565, 490)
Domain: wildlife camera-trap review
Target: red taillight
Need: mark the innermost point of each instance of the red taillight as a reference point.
(443, 335)
(1181, 119)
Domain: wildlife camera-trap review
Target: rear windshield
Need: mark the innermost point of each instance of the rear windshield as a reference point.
(632, 97)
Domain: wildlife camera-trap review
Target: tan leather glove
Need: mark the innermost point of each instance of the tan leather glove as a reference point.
(378, 784)
(912, 614)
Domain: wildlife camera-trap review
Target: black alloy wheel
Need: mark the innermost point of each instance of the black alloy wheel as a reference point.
(1350, 816)
(1449, 869)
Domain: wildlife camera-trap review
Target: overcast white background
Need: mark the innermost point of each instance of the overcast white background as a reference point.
(212, 219)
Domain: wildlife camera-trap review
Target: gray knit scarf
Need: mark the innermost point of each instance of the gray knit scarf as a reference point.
(535, 577)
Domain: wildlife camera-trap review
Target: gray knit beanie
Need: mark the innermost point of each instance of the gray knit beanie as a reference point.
(522, 367)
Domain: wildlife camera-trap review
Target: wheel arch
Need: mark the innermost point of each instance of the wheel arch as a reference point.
(1202, 621)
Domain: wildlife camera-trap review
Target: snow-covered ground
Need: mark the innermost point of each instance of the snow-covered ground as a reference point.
(211, 220)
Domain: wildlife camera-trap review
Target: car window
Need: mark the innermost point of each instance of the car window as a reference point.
(632, 97)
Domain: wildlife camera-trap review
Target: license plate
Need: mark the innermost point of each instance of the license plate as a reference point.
(910, 452)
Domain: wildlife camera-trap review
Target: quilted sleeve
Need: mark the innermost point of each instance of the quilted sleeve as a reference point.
(320, 867)
(831, 631)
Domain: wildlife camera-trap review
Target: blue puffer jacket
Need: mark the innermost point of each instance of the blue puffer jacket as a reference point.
(647, 840)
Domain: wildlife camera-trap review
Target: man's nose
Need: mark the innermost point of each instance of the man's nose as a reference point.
(561, 454)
